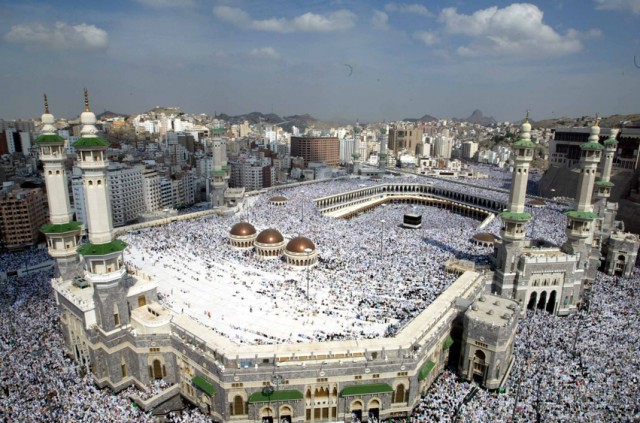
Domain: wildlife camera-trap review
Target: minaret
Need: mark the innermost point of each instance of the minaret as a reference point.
(63, 234)
(580, 221)
(382, 156)
(603, 184)
(356, 149)
(103, 260)
(219, 176)
(514, 218)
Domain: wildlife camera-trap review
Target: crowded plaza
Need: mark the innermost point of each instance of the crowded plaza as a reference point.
(373, 276)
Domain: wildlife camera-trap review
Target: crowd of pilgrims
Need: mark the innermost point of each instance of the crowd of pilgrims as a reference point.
(583, 367)
(372, 277)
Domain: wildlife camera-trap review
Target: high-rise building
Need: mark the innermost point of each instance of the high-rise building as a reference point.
(469, 149)
(443, 146)
(315, 149)
(151, 190)
(404, 139)
(126, 193)
(22, 213)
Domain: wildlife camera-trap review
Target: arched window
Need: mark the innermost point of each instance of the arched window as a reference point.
(238, 405)
(157, 369)
(399, 395)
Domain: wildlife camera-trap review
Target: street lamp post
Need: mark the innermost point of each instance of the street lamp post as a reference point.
(382, 222)
(307, 251)
(302, 207)
(277, 380)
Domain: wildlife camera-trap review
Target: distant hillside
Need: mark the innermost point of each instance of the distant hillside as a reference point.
(425, 118)
(286, 122)
(613, 121)
(166, 110)
(109, 115)
(479, 118)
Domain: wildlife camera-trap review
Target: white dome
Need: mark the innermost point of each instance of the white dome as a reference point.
(88, 118)
(47, 118)
(595, 133)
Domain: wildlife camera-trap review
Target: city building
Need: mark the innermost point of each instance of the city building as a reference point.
(405, 139)
(22, 213)
(126, 192)
(469, 149)
(314, 149)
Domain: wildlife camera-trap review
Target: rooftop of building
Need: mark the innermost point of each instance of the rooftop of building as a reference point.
(493, 310)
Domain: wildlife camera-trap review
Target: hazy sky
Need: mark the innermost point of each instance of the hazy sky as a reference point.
(555, 57)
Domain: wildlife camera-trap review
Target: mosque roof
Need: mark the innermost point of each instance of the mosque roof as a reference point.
(91, 142)
(591, 145)
(485, 237)
(515, 216)
(52, 228)
(269, 236)
(243, 229)
(524, 143)
(602, 183)
(101, 249)
(299, 244)
(574, 214)
(49, 138)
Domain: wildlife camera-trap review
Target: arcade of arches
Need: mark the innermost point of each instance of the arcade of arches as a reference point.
(543, 301)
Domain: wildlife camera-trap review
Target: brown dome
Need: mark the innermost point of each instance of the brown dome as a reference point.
(277, 199)
(485, 237)
(299, 244)
(269, 236)
(242, 229)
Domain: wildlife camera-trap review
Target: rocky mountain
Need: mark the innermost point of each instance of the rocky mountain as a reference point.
(479, 118)
(109, 115)
(425, 118)
(286, 122)
(613, 121)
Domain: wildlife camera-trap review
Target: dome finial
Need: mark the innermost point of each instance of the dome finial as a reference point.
(597, 120)
(525, 132)
(86, 100)
(46, 104)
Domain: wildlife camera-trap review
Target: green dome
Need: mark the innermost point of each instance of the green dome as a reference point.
(591, 146)
(49, 138)
(91, 142)
(524, 144)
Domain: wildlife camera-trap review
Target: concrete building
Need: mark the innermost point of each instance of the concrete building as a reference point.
(442, 146)
(22, 213)
(487, 340)
(126, 192)
(469, 149)
(252, 174)
(151, 191)
(314, 149)
(404, 139)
